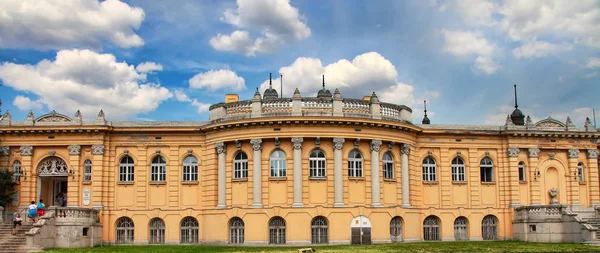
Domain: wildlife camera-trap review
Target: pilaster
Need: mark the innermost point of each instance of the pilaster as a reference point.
(29, 188)
(573, 192)
(445, 178)
(297, 143)
(257, 173)
(405, 150)
(96, 191)
(592, 155)
(338, 143)
(536, 197)
(73, 182)
(221, 150)
(513, 168)
(375, 179)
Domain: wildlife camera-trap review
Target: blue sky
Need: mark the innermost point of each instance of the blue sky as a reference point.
(153, 60)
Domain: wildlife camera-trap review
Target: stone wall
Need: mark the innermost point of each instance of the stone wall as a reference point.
(66, 228)
(553, 223)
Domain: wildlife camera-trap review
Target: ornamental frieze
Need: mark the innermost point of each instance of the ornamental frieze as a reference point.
(26, 150)
(98, 149)
(74, 149)
(513, 152)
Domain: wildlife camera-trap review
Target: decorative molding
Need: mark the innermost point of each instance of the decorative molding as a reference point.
(51, 152)
(512, 152)
(592, 153)
(534, 152)
(338, 143)
(53, 117)
(356, 142)
(405, 148)
(391, 145)
(4, 150)
(573, 153)
(126, 151)
(220, 147)
(98, 149)
(375, 145)
(551, 155)
(550, 122)
(53, 166)
(74, 149)
(157, 151)
(458, 153)
(238, 145)
(318, 142)
(487, 153)
(256, 144)
(26, 150)
(297, 141)
(277, 142)
(190, 151)
(430, 152)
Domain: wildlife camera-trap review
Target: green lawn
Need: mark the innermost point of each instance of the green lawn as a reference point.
(497, 246)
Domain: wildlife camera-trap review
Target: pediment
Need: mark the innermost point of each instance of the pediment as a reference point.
(549, 122)
(53, 117)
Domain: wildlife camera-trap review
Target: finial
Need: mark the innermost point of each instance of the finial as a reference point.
(425, 103)
(516, 105)
(323, 81)
(270, 81)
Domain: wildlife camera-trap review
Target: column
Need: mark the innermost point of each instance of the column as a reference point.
(73, 183)
(338, 188)
(29, 189)
(513, 172)
(96, 191)
(535, 182)
(375, 186)
(592, 155)
(573, 192)
(297, 171)
(221, 149)
(257, 173)
(405, 150)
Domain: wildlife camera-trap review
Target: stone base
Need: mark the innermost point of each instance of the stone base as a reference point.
(297, 205)
(339, 205)
(406, 206)
(257, 205)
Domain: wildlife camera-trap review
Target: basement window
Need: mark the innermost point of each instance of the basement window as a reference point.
(532, 228)
(85, 231)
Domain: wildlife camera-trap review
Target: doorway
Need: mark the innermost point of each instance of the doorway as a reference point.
(53, 190)
(360, 229)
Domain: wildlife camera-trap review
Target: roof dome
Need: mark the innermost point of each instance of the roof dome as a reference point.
(270, 92)
(324, 93)
(517, 117)
(426, 120)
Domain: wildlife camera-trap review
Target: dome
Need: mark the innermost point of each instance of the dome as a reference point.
(517, 117)
(270, 93)
(324, 93)
(426, 120)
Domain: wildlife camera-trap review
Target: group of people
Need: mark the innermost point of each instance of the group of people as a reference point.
(34, 211)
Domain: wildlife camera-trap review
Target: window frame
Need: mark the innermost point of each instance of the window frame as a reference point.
(431, 228)
(277, 231)
(278, 164)
(319, 230)
(580, 173)
(189, 169)
(156, 229)
(355, 165)
(188, 233)
(240, 165)
(236, 231)
(125, 233)
(522, 172)
(17, 171)
(388, 165)
(486, 170)
(87, 170)
(489, 228)
(396, 232)
(126, 169)
(158, 169)
(317, 164)
(461, 229)
(429, 169)
(458, 170)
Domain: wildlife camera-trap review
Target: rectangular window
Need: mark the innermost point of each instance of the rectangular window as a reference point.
(190, 173)
(158, 173)
(580, 175)
(429, 173)
(458, 173)
(87, 171)
(240, 169)
(521, 172)
(316, 168)
(388, 170)
(487, 174)
(278, 168)
(126, 173)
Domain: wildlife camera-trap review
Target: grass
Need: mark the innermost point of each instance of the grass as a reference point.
(492, 246)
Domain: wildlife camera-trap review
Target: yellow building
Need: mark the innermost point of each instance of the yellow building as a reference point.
(301, 170)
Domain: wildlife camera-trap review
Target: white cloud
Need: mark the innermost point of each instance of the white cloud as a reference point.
(148, 67)
(477, 11)
(466, 43)
(218, 79)
(593, 62)
(277, 22)
(181, 96)
(357, 78)
(578, 115)
(200, 107)
(88, 81)
(25, 104)
(539, 49)
(45, 24)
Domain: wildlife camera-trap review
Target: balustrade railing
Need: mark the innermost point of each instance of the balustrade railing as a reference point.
(74, 214)
(539, 212)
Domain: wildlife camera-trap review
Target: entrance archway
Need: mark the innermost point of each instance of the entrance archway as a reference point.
(52, 181)
(360, 229)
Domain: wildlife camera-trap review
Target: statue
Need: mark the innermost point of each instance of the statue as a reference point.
(553, 193)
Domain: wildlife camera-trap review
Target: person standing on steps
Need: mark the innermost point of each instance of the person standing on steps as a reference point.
(16, 220)
(40, 208)
(32, 212)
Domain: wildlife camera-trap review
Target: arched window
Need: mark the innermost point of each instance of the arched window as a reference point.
(158, 169)
(522, 172)
(190, 169)
(388, 166)
(489, 227)
(431, 229)
(580, 175)
(461, 232)
(355, 164)
(126, 169)
(396, 229)
(316, 163)
(157, 231)
(429, 170)
(17, 171)
(278, 164)
(189, 230)
(319, 230)
(87, 170)
(240, 165)
(458, 170)
(236, 231)
(124, 231)
(277, 230)
(486, 168)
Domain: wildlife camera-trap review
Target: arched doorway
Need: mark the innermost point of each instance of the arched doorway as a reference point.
(360, 229)
(52, 181)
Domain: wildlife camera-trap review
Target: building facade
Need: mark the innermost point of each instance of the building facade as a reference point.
(300, 170)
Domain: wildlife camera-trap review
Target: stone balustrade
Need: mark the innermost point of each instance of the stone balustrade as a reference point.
(539, 212)
(74, 214)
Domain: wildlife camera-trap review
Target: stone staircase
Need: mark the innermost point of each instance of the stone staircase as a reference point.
(594, 222)
(15, 243)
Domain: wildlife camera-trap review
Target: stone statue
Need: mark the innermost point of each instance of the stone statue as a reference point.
(553, 193)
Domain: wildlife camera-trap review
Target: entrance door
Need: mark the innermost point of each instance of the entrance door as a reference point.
(59, 192)
(360, 230)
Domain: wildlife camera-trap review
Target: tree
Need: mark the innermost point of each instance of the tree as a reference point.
(7, 184)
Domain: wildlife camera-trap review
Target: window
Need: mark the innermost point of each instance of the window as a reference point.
(190, 169)
(460, 229)
(277, 231)
(316, 162)
(489, 227)
(458, 170)
(278, 164)
(126, 169)
(396, 229)
(236, 231)
(158, 169)
(487, 170)
(124, 231)
(580, 175)
(355, 164)
(157, 231)
(521, 172)
(388, 166)
(189, 230)
(87, 171)
(431, 229)
(319, 229)
(429, 170)
(240, 166)
(17, 171)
